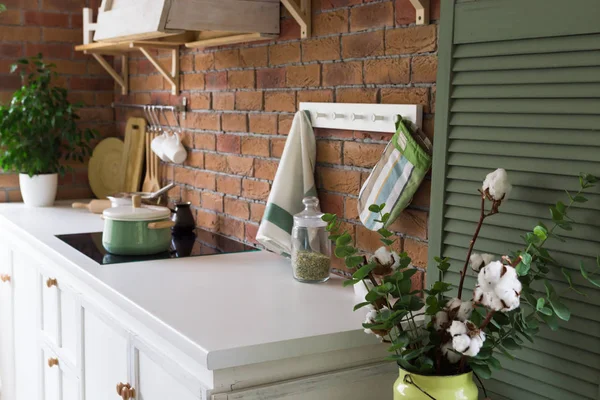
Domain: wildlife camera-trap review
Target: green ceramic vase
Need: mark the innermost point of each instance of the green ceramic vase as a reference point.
(456, 387)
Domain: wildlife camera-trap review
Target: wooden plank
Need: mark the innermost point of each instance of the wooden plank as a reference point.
(557, 75)
(493, 20)
(529, 46)
(529, 61)
(442, 119)
(579, 122)
(534, 91)
(224, 15)
(120, 81)
(529, 106)
(170, 78)
(220, 41)
(298, 14)
(143, 19)
(525, 135)
(422, 11)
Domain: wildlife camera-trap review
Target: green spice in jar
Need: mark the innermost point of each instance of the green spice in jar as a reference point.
(310, 265)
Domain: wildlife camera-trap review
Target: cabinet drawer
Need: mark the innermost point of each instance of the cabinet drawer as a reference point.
(60, 382)
(61, 314)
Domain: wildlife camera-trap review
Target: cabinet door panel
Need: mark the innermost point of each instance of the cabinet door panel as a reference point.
(7, 365)
(52, 376)
(70, 312)
(26, 286)
(70, 387)
(106, 357)
(154, 383)
(50, 306)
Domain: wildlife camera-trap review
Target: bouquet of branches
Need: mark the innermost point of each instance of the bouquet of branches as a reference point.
(431, 333)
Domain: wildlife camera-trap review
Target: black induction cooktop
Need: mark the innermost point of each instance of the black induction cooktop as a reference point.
(197, 244)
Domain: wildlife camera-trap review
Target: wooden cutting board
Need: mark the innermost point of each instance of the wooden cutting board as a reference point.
(132, 162)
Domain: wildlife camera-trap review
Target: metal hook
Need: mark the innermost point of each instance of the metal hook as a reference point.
(321, 115)
(354, 117)
(376, 118)
(335, 116)
(176, 117)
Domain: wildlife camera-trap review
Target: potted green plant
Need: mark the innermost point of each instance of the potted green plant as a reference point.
(440, 343)
(39, 131)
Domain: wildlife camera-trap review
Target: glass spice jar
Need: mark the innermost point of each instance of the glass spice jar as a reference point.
(311, 247)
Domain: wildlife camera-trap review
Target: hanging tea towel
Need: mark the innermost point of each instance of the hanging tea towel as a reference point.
(395, 178)
(294, 180)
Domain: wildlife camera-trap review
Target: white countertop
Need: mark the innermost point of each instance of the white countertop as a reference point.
(222, 310)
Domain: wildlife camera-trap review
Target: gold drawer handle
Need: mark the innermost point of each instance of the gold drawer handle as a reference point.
(51, 282)
(52, 362)
(5, 278)
(125, 391)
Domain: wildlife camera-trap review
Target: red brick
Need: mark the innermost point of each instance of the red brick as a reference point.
(240, 165)
(229, 185)
(231, 227)
(270, 78)
(329, 4)
(289, 29)
(285, 124)
(351, 208)
(46, 19)
(185, 175)
(240, 79)
(356, 95)
(329, 151)
(216, 80)
(263, 123)
(84, 83)
(249, 101)
(207, 220)
(318, 96)
(418, 39)
(53, 51)
(332, 203)
(199, 101)
(369, 16)
(223, 101)
(369, 241)
(234, 122)
(284, 53)
(360, 45)
(303, 75)
(203, 120)
(264, 169)
(227, 59)
(228, 144)
(424, 69)
(343, 73)
(20, 34)
(280, 101)
(256, 211)
(204, 61)
(387, 71)
(257, 190)
(321, 49)
(405, 11)
(193, 81)
(11, 17)
(61, 35)
(329, 23)
(205, 180)
(251, 232)
(195, 159)
(62, 5)
(255, 146)
(277, 146)
(205, 141)
(406, 96)
(412, 223)
(339, 180)
(212, 201)
(253, 57)
(237, 208)
(417, 251)
(363, 155)
(11, 51)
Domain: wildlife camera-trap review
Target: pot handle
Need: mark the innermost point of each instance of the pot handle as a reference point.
(161, 225)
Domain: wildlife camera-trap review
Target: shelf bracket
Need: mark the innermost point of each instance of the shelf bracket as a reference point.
(302, 14)
(422, 10)
(123, 79)
(173, 76)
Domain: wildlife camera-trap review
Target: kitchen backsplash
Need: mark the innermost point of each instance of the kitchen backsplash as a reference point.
(53, 28)
(243, 99)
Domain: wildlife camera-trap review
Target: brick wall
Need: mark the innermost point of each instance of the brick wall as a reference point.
(53, 27)
(243, 99)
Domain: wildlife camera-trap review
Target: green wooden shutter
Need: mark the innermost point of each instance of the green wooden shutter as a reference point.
(519, 88)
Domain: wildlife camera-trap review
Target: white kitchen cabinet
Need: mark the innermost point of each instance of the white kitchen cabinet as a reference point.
(7, 365)
(26, 315)
(106, 356)
(60, 381)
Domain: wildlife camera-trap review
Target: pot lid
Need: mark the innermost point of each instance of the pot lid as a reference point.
(129, 213)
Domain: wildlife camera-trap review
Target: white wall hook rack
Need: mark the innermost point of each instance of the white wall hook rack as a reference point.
(361, 117)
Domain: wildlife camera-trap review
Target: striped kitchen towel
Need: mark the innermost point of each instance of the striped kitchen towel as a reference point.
(395, 178)
(294, 180)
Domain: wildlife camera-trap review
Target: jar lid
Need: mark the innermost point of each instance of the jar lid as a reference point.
(311, 216)
(129, 213)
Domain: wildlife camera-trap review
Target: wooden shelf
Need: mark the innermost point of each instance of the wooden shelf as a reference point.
(422, 11)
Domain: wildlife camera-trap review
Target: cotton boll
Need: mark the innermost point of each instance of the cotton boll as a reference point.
(384, 256)
(465, 310)
(452, 357)
(490, 275)
(461, 343)
(474, 347)
(440, 319)
(492, 301)
(478, 294)
(497, 184)
(457, 328)
(487, 258)
(476, 261)
(453, 304)
(396, 258)
(509, 298)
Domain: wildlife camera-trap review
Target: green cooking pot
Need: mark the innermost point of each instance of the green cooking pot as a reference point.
(136, 230)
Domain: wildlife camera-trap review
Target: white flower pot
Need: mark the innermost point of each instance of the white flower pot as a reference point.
(38, 190)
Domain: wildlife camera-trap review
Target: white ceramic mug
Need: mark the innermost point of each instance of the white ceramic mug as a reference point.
(157, 146)
(173, 149)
